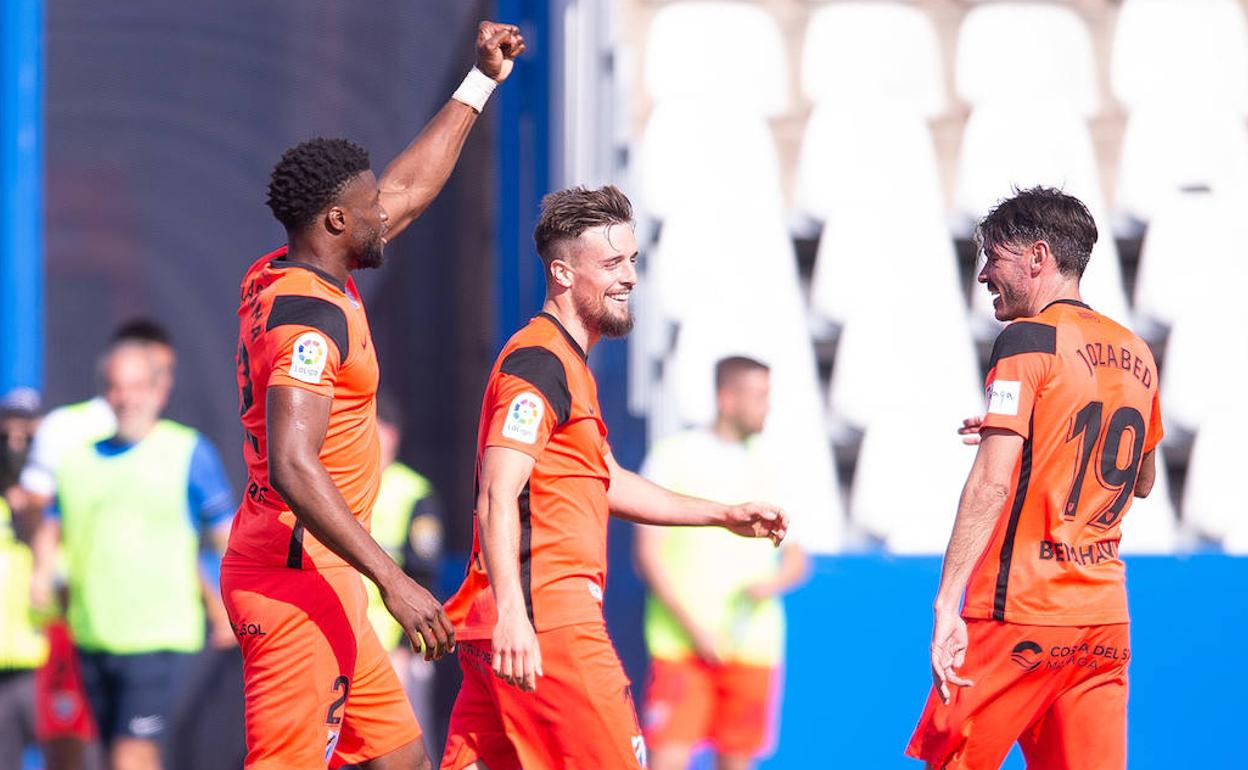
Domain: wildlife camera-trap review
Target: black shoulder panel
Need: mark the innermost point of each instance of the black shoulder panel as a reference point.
(543, 370)
(1024, 337)
(320, 314)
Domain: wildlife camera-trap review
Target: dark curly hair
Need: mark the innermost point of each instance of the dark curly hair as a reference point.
(1042, 214)
(310, 176)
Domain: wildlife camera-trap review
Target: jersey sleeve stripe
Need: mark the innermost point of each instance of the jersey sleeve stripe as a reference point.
(1011, 527)
(526, 550)
(1024, 337)
(320, 314)
(542, 369)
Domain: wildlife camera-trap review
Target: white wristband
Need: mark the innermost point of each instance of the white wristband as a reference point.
(475, 89)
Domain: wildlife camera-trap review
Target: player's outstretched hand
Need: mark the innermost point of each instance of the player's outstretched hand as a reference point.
(970, 430)
(497, 45)
(517, 658)
(758, 520)
(948, 652)
(422, 617)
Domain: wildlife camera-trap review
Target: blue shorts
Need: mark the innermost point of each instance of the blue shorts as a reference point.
(133, 696)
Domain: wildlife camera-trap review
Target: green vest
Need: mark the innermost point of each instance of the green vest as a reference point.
(710, 568)
(22, 646)
(131, 545)
(401, 488)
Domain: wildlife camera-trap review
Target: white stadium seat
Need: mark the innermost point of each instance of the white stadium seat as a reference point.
(862, 260)
(1005, 146)
(1186, 51)
(705, 157)
(1058, 66)
(718, 51)
(880, 156)
(717, 263)
(867, 52)
(1167, 148)
(922, 454)
(1206, 359)
(1214, 505)
(1191, 242)
(899, 354)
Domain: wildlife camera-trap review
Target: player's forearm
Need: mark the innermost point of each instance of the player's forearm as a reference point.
(636, 499)
(306, 487)
(413, 179)
(978, 511)
(498, 517)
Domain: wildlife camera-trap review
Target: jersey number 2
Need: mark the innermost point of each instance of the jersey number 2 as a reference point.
(1086, 429)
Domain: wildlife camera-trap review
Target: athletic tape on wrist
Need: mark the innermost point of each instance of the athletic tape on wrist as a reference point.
(475, 90)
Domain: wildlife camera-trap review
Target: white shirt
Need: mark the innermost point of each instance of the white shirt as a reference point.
(62, 429)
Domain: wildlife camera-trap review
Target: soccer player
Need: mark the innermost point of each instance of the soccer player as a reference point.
(714, 618)
(319, 687)
(543, 688)
(1038, 653)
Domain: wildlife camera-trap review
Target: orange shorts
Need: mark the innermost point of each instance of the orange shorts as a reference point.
(580, 716)
(319, 688)
(1059, 691)
(61, 706)
(689, 701)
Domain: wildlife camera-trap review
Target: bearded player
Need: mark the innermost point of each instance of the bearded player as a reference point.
(319, 687)
(543, 688)
(1031, 638)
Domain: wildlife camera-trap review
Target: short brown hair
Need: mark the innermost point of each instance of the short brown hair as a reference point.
(568, 213)
(727, 370)
(1042, 214)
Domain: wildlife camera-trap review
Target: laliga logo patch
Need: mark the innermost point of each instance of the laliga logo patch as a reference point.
(523, 417)
(307, 360)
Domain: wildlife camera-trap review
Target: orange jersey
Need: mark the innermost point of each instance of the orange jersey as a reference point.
(541, 399)
(1082, 391)
(301, 328)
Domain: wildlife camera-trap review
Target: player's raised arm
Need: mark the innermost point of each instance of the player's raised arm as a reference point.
(413, 179)
(296, 423)
(636, 499)
(983, 496)
(504, 473)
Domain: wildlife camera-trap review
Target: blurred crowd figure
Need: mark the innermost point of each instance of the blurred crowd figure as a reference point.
(118, 519)
(714, 622)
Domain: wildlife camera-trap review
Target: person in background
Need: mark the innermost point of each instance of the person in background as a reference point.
(130, 510)
(714, 621)
(22, 645)
(407, 523)
(63, 719)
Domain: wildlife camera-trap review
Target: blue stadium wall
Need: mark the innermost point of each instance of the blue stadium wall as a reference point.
(858, 673)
